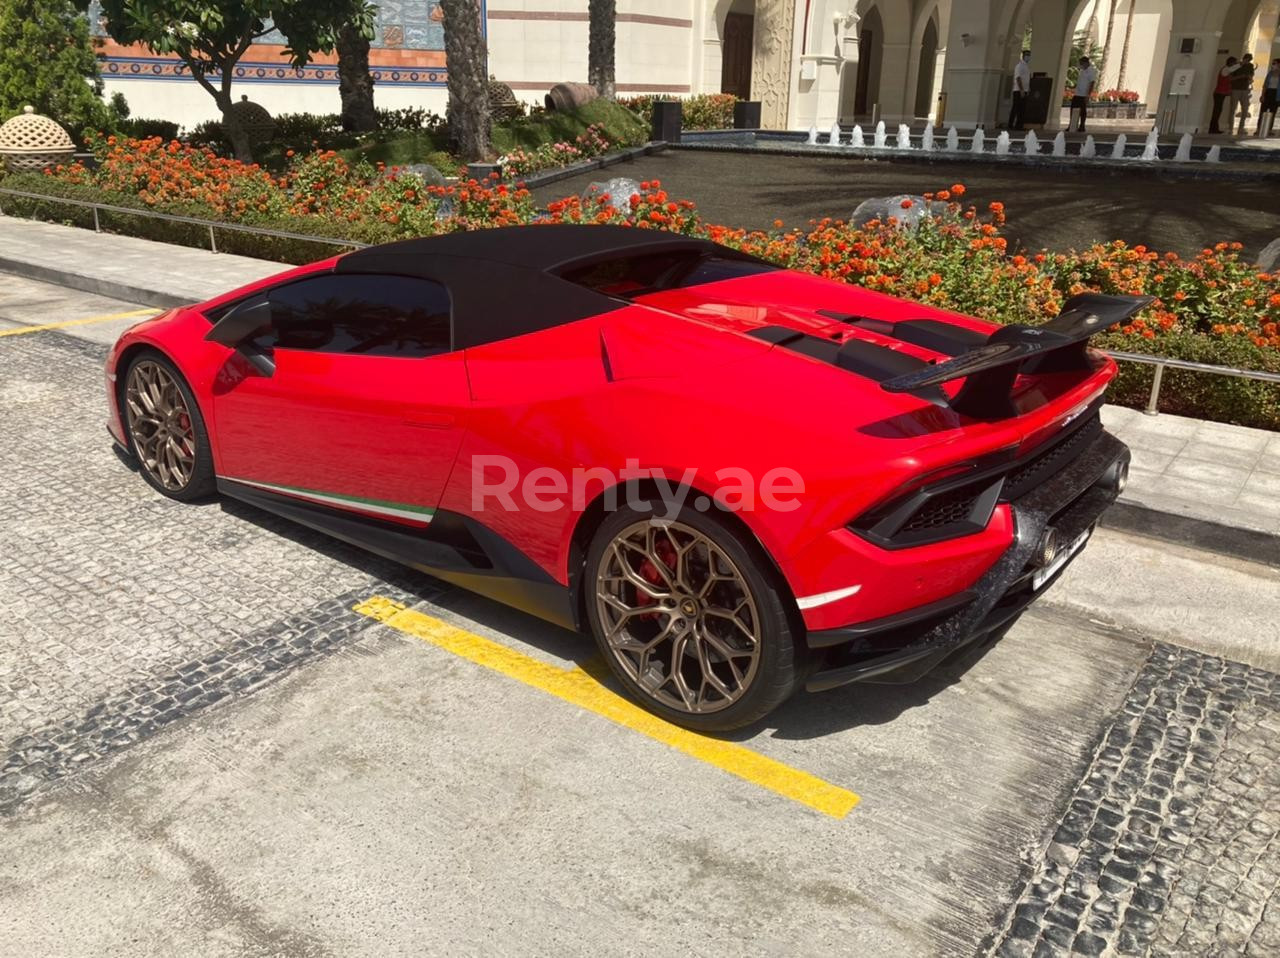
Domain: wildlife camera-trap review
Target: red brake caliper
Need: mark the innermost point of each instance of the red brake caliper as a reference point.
(650, 573)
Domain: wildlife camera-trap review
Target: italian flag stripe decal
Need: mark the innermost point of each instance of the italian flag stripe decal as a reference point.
(378, 507)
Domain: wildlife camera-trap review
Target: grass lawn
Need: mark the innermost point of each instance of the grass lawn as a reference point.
(618, 122)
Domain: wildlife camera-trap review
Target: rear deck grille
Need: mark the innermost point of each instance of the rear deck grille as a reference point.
(947, 510)
(1046, 463)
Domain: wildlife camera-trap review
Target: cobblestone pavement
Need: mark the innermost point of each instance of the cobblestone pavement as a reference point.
(104, 642)
(1170, 844)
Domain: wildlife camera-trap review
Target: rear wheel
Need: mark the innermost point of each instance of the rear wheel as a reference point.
(686, 615)
(166, 432)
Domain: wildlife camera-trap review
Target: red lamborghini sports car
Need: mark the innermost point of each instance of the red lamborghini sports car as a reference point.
(739, 478)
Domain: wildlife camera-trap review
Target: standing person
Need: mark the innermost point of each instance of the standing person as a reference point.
(1221, 92)
(1084, 89)
(1241, 92)
(1270, 95)
(1021, 87)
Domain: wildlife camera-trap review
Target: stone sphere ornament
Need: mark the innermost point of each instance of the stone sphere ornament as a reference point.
(30, 141)
(619, 189)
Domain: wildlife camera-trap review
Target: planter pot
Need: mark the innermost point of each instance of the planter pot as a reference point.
(746, 115)
(481, 171)
(667, 121)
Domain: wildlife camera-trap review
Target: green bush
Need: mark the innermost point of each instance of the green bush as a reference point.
(706, 111)
(141, 128)
(1244, 402)
(47, 62)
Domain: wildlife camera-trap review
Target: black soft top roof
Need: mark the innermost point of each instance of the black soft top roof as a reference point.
(549, 248)
(507, 282)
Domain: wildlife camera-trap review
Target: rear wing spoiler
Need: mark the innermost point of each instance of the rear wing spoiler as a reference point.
(989, 370)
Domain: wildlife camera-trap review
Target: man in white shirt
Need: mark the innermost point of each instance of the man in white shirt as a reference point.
(1021, 87)
(1084, 89)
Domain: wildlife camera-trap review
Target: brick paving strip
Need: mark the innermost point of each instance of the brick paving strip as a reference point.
(243, 666)
(1169, 844)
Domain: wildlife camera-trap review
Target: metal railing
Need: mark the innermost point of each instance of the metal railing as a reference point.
(210, 225)
(1159, 362)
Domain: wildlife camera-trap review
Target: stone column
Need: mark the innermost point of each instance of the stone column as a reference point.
(894, 65)
(1050, 50)
(1192, 112)
(971, 81)
(939, 72)
(771, 65)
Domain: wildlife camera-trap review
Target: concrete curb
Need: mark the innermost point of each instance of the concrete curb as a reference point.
(111, 289)
(546, 178)
(1248, 544)
(1068, 164)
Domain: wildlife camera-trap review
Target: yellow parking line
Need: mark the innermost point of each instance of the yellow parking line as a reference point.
(578, 688)
(78, 322)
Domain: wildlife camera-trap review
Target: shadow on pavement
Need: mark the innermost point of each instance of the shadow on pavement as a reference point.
(804, 716)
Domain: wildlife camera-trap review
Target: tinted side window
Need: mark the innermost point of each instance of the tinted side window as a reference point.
(363, 315)
(634, 276)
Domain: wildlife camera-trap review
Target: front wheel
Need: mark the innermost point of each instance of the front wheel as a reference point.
(166, 432)
(688, 615)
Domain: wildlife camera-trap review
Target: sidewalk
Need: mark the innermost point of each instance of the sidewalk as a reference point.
(121, 267)
(1207, 484)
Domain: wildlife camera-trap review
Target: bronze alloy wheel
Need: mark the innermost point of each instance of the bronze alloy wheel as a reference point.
(678, 616)
(160, 425)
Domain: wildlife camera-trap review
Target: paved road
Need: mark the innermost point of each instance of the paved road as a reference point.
(222, 733)
(1052, 209)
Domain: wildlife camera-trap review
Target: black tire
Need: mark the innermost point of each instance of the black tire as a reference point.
(781, 662)
(200, 484)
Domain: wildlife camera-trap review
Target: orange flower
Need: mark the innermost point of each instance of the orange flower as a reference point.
(957, 189)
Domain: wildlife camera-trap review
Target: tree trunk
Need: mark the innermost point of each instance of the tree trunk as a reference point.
(355, 82)
(603, 15)
(465, 58)
(232, 128)
(1106, 44)
(1124, 51)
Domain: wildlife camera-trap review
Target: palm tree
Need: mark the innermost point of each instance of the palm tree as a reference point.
(1106, 44)
(600, 44)
(465, 57)
(355, 82)
(1124, 51)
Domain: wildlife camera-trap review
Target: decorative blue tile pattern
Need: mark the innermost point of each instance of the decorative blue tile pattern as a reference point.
(400, 25)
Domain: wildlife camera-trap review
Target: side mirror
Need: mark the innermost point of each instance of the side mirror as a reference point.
(237, 328)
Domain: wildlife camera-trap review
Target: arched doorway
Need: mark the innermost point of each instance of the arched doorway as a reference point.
(737, 48)
(870, 57)
(928, 64)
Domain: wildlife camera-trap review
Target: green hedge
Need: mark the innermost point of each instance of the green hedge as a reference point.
(294, 251)
(1245, 402)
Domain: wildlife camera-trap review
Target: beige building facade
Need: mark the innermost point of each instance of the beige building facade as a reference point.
(809, 62)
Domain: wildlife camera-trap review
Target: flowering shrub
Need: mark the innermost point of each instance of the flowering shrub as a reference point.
(1104, 96)
(594, 141)
(1213, 307)
(651, 208)
(706, 111)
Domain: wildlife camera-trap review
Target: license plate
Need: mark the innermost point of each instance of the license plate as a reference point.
(1064, 556)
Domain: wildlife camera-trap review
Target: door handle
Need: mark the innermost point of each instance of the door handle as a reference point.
(441, 420)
